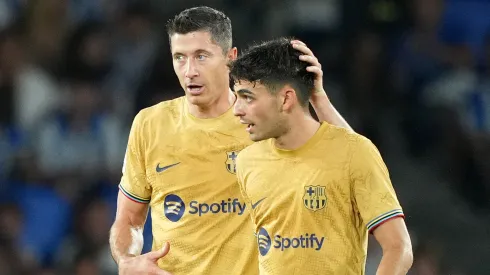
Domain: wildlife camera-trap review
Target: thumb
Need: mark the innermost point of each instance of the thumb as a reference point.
(155, 255)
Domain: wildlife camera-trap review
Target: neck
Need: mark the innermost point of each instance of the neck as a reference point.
(300, 130)
(214, 109)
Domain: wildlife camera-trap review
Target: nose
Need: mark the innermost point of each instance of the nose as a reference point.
(191, 70)
(238, 108)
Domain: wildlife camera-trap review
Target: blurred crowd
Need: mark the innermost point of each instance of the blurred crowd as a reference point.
(74, 73)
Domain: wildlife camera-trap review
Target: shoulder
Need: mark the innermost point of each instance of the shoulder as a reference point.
(352, 146)
(253, 150)
(347, 138)
(159, 112)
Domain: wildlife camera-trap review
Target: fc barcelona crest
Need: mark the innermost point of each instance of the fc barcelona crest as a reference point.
(315, 197)
(231, 161)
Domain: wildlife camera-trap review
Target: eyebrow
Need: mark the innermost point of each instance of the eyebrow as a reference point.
(203, 51)
(244, 92)
(198, 51)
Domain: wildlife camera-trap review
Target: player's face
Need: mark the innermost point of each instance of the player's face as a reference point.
(201, 66)
(260, 110)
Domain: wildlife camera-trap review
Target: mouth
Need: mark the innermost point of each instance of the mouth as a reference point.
(195, 89)
(250, 126)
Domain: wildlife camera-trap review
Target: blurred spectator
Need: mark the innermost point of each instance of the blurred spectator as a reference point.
(81, 139)
(134, 50)
(365, 83)
(33, 91)
(456, 101)
(92, 10)
(458, 80)
(87, 53)
(46, 213)
(419, 60)
(46, 25)
(9, 11)
(26, 92)
(88, 249)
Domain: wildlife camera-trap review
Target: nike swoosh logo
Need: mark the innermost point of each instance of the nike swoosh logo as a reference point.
(257, 203)
(161, 169)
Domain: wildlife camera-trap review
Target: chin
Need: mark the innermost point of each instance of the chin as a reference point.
(256, 137)
(198, 100)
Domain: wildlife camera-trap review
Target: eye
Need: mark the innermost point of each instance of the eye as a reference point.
(201, 57)
(247, 98)
(179, 57)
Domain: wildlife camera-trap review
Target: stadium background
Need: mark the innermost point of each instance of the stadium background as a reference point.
(413, 76)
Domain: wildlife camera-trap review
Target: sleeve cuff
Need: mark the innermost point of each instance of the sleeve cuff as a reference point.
(133, 197)
(379, 220)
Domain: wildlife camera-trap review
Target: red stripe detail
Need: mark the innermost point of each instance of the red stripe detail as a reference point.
(376, 226)
(129, 197)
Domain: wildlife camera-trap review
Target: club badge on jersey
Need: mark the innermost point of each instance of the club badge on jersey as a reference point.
(231, 161)
(315, 198)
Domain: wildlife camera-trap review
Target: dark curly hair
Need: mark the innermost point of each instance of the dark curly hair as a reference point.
(274, 64)
(203, 19)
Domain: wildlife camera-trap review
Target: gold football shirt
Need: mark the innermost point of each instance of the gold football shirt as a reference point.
(312, 208)
(184, 167)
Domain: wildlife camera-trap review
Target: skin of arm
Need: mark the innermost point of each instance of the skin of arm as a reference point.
(396, 245)
(326, 111)
(126, 235)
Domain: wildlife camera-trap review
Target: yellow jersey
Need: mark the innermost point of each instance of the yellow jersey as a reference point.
(184, 167)
(312, 208)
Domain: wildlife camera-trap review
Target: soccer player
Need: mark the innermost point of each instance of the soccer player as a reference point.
(316, 190)
(180, 161)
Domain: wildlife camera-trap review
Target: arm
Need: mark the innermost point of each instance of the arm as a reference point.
(126, 236)
(378, 207)
(397, 248)
(326, 111)
(319, 99)
(126, 240)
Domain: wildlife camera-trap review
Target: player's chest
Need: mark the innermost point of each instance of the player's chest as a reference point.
(194, 164)
(309, 188)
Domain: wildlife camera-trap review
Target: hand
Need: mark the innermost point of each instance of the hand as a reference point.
(315, 67)
(145, 264)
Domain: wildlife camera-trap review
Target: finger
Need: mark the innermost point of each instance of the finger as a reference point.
(298, 42)
(303, 49)
(310, 59)
(155, 255)
(315, 70)
(164, 250)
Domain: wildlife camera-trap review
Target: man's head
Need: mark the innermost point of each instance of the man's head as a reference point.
(201, 46)
(272, 86)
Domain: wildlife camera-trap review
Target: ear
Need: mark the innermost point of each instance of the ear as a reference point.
(232, 54)
(288, 98)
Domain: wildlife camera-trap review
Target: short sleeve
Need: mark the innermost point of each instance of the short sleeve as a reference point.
(373, 191)
(134, 182)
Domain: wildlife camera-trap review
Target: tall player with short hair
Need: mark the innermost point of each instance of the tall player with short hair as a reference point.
(316, 190)
(180, 160)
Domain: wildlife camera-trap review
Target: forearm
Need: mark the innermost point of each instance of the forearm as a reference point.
(395, 262)
(326, 111)
(125, 241)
